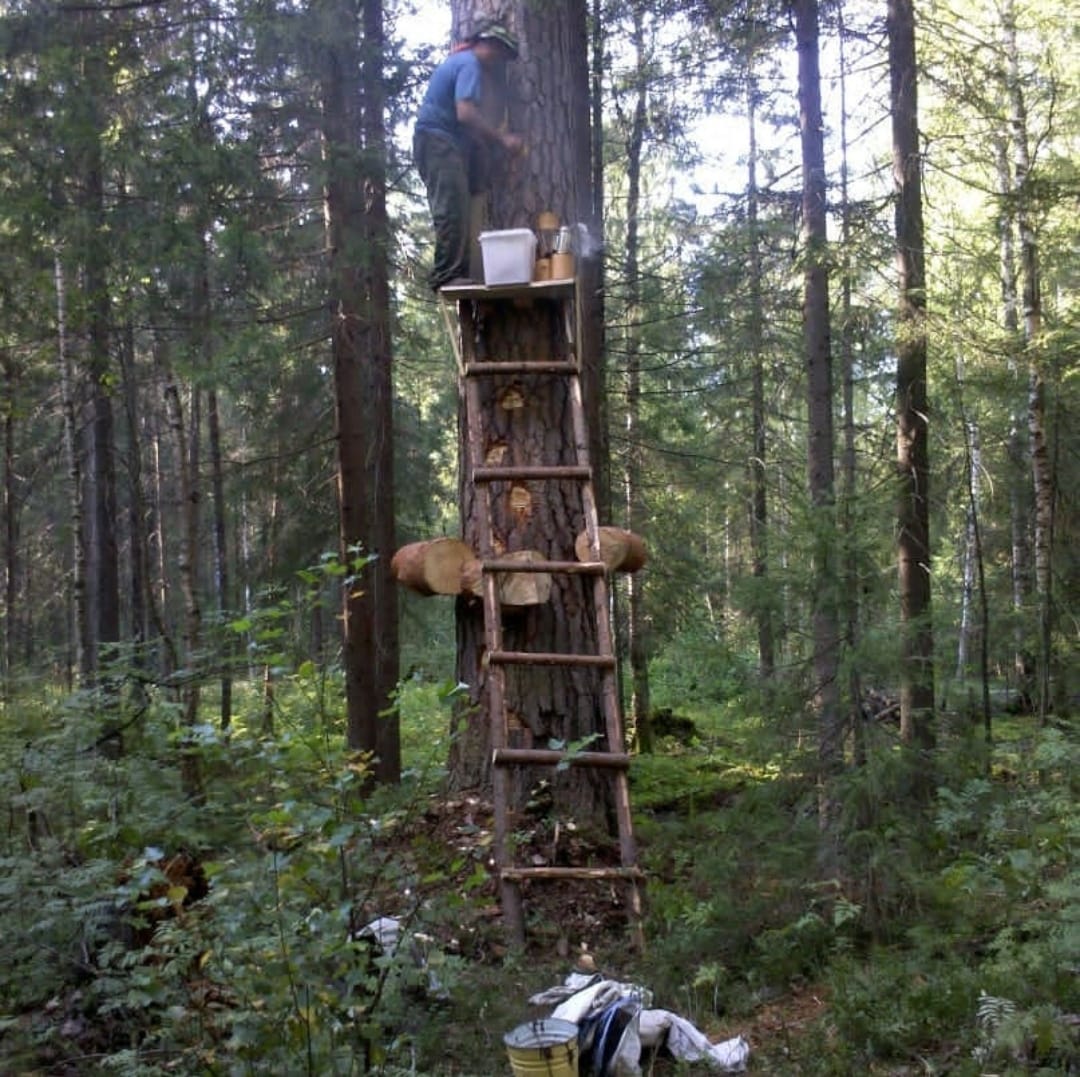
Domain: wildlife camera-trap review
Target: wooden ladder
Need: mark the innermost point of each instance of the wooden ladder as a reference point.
(615, 761)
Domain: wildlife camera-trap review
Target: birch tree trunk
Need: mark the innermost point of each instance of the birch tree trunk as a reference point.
(1019, 462)
(1041, 468)
(974, 568)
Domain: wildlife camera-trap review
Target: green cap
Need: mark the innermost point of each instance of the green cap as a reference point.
(495, 31)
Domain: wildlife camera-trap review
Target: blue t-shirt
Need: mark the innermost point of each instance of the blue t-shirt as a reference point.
(457, 78)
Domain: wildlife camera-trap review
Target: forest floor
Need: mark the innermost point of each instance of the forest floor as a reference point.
(576, 926)
(233, 956)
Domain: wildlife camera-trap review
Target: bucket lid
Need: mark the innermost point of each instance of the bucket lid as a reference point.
(548, 1032)
(508, 233)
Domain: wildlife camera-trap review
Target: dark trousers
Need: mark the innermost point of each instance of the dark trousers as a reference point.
(444, 169)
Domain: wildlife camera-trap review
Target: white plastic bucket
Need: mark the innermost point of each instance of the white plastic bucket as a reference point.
(508, 256)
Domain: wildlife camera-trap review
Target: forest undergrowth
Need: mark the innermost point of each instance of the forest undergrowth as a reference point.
(147, 934)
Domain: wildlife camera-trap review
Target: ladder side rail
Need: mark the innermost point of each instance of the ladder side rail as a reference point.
(581, 449)
(453, 331)
(614, 760)
(509, 889)
(605, 642)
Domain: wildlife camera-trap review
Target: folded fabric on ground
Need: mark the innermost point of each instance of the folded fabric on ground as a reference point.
(689, 1044)
(584, 996)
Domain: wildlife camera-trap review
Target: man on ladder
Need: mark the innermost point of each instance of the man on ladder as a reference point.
(452, 141)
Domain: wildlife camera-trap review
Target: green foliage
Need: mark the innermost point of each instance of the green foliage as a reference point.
(951, 936)
(698, 666)
(931, 916)
(253, 962)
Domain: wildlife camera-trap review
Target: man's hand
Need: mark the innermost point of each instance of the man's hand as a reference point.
(469, 114)
(513, 144)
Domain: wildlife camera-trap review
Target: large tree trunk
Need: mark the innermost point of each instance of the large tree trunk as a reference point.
(594, 366)
(636, 623)
(912, 440)
(355, 151)
(103, 575)
(848, 529)
(378, 580)
(820, 467)
(560, 703)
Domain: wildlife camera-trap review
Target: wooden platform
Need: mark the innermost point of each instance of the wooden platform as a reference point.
(537, 289)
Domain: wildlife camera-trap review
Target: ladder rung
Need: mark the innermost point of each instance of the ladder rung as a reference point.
(520, 366)
(572, 568)
(503, 474)
(543, 757)
(520, 874)
(540, 658)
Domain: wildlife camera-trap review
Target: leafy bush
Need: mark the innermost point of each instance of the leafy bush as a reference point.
(263, 967)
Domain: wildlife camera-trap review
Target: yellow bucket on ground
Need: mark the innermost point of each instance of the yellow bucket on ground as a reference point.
(545, 1048)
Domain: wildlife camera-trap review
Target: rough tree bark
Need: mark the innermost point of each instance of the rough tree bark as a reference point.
(852, 584)
(354, 143)
(103, 573)
(378, 581)
(636, 622)
(820, 468)
(912, 417)
(547, 102)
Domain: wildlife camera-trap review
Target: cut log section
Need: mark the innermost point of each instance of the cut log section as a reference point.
(432, 567)
(621, 551)
(515, 589)
(447, 566)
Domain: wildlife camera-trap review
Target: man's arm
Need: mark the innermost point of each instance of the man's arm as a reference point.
(469, 114)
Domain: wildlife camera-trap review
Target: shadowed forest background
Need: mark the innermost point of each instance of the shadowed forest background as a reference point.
(833, 317)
